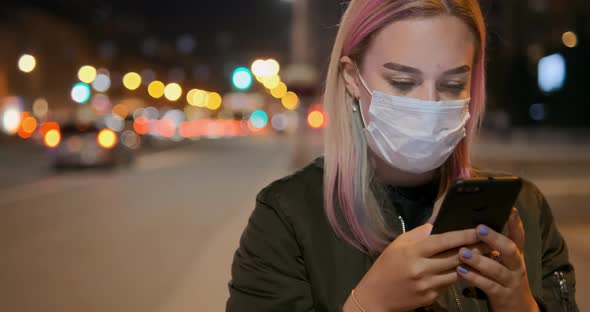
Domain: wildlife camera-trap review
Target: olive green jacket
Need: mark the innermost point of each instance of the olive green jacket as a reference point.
(290, 259)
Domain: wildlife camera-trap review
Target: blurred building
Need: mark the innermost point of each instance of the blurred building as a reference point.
(58, 46)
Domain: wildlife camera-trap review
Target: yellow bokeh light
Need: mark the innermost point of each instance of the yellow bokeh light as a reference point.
(27, 63)
(271, 82)
(290, 100)
(52, 138)
(279, 91)
(570, 39)
(272, 67)
(132, 80)
(156, 89)
(201, 98)
(213, 101)
(87, 74)
(173, 91)
(190, 96)
(315, 119)
(107, 138)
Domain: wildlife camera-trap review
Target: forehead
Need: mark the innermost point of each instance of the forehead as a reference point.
(429, 44)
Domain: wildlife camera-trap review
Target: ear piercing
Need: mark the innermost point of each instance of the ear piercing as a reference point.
(354, 107)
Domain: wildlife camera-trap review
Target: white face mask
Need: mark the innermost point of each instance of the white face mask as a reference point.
(414, 135)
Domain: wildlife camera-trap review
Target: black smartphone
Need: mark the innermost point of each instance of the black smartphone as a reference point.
(470, 202)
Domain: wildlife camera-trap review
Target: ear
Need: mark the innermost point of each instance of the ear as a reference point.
(350, 75)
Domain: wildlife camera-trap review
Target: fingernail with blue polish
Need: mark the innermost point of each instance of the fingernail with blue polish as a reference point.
(483, 230)
(516, 214)
(467, 254)
(462, 270)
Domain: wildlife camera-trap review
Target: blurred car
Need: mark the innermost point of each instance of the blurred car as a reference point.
(84, 146)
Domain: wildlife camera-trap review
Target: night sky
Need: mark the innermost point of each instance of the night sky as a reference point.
(254, 25)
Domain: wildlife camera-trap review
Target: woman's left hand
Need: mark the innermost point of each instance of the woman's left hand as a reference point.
(504, 280)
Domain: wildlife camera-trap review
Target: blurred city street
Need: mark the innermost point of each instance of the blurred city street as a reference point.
(134, 136)
(160, 236)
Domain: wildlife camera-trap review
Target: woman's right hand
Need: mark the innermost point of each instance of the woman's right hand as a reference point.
(412, 271)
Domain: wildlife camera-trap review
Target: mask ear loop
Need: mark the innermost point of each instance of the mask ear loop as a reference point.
(358, 101)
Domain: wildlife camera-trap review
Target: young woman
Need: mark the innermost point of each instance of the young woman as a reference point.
(405, 95)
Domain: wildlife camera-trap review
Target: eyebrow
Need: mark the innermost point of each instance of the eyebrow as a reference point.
(412, 70)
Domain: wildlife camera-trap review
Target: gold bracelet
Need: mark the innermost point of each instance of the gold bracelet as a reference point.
(356, 302)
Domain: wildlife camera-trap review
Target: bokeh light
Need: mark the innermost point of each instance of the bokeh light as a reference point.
(190, 97)
(201, 98)
(47, 126)
(537, 112)
(213, 101)
(107, 138)
(141, 125)
(52, 138)
(279, 91)
(165, 128)
(121, 110)
(87, 74)
(173, 91)
(101, 83)
(316, 119)
(290, 100)
(132, 81)
(27, 63)
(11, 120)
(114, 122)
(151, 113)
(271, 82)
(101, 104)
(156, 89)
(279, 122)
(569, 39)
(40, 107)
(268, 68)
(551, 72)
(81, 93)
(259, 119)
(273, 67)
(242, 78)
(130, 139)
(258, 68)
(29, 124)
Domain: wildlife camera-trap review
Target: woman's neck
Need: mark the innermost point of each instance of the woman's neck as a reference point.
(396, 177)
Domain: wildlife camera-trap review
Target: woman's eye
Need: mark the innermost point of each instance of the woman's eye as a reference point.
(454, 87)
(403, 85)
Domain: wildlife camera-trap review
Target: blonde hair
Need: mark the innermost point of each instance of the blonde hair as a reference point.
(352, 204)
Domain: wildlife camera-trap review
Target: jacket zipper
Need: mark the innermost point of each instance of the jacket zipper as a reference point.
(401, 220)
(564, 292)
(457, 300)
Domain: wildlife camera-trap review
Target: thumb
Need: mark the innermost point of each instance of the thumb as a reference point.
(516, 229)
(418, 233)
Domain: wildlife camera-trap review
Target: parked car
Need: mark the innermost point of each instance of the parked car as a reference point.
(89, 146)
